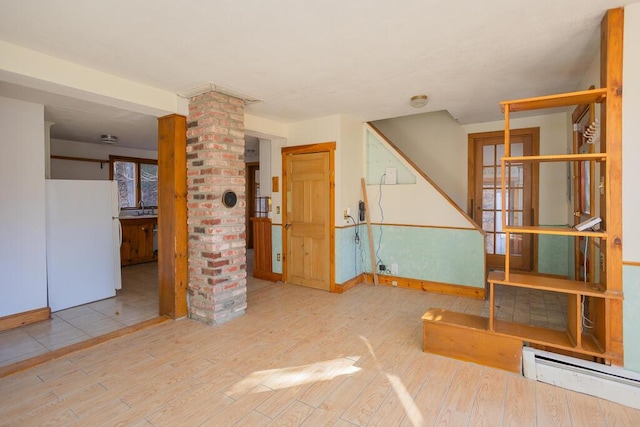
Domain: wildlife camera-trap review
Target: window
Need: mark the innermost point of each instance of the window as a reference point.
(137, 181)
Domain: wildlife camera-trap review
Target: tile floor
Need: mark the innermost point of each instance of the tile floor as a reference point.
(136, 302)
(530, 306)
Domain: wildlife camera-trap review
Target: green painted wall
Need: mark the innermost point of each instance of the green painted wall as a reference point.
(349, 255)
(553, 254)
(435, 254)
(631, 317)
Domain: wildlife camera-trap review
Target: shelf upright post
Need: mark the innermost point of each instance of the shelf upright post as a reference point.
(503, 180)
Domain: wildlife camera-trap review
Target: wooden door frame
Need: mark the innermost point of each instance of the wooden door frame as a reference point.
(323, 147)
(173, 278)
(250, 199)
(535, 177)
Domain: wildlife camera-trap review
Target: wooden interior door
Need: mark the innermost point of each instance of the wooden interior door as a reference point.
(307, 216)
(485, 197)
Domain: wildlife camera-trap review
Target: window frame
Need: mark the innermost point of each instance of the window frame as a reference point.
(138, 161)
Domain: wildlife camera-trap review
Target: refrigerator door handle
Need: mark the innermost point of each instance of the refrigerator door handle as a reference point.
(120, 232)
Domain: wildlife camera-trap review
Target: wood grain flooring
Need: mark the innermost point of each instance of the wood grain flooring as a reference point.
(298, 357)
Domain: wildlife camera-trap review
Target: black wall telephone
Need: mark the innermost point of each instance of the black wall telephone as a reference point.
(361, 210)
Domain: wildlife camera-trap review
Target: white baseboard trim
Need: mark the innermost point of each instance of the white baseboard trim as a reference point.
(607, 382)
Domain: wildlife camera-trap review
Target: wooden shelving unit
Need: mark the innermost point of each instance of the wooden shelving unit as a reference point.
(586, 341)
(495, 342)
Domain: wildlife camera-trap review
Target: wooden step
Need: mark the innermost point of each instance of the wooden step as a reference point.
(466, 337)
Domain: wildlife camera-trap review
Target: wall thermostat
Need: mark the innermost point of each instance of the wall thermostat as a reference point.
(229, 199)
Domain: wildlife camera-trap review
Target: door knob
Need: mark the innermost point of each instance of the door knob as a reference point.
(287, 226)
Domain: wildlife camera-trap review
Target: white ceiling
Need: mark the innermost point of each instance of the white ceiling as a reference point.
(305, 59)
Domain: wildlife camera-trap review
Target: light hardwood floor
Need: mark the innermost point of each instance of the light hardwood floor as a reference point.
(298, 357)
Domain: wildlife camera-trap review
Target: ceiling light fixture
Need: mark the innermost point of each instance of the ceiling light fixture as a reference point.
(108, 139)
(418, 101)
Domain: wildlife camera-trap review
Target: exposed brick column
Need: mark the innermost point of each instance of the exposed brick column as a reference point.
(215, 163)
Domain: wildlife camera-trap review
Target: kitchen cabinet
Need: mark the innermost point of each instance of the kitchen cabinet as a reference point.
(137, 240)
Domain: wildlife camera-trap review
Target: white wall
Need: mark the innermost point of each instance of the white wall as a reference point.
(415, 204)
(27, 67)
(265, 167)
(631, 135)
(554, 204)
(276, 170)
(71, 169)
(23, 280)
(437, 144)
(324, 129)
(264, 128)
(352, 168)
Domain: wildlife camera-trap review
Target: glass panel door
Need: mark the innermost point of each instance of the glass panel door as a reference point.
(488, 191)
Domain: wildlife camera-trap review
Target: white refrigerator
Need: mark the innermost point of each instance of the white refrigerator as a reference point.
(83, 242)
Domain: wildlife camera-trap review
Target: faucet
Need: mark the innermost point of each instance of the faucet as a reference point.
(141, 203)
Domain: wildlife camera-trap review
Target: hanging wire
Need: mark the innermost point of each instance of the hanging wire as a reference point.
(586, 322)
(379, 261)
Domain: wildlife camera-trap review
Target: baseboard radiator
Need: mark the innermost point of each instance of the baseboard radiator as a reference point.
(606, 382)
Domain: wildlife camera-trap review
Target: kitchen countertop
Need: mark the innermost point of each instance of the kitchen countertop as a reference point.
(138, 217)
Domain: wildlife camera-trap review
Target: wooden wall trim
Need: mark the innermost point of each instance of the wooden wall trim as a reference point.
(309, 148)
(429, 286)
(172, 215)
(80, 159)
(441, 227)
(65, 351)
(266, 275)
(341, 288)
(24, 318)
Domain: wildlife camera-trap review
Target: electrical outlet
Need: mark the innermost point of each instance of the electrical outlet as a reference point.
(277, 210)
(394, 268)
(394, 283)
(347, 213)
(277, 257)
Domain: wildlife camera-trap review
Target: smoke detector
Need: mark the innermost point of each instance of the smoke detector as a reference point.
(109, 139)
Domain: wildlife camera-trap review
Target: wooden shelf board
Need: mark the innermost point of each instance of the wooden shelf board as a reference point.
(535, 334)
(598, 157)
(589, 344)
(555, 101)
(469, 321)
(568, 231)
(547, 337)
(553, 284)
